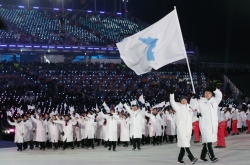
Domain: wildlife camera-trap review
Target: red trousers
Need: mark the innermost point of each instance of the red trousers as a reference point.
(248, 129)
(196, 130)
(221, 134)
(234, 127)
(226, 133)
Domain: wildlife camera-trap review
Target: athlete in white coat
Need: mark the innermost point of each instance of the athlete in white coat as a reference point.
(27, 129)
(19, 132)
(111, 130)
(156, 125)
(81, 123)
(124, 133)
(184, 115)
(54, 131)
(99, 122)
(40, 130)
(240, 121)
(89, 130)
(171, 125)
(67, 127)
(136, 124)
(208, 120)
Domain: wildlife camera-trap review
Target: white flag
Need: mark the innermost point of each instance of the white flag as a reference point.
(141, 99)
(155, 46)
(96, 107)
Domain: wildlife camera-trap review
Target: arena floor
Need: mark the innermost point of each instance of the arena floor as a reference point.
(236, 153)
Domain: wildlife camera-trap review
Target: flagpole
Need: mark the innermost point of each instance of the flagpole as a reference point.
(190, 74)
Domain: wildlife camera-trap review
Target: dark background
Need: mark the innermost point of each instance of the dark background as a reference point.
(220, 28)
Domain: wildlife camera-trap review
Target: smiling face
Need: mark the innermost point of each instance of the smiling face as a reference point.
(19, 119)
(135, 107)
(208, 94)
(183, 101)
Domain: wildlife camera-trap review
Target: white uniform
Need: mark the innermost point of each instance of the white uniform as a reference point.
(240, 121)
(136, 121)
(54, 131)
(40, 129)
(243, 116)
(27, 129)
(19, 131)
(67, 129)
(184, 115)
(228, 117)
(111, 130)
(99, 124)
(77, 133)
(171, 124)
(81, 123)
(89, 127)
(209, 120)
(156, 123)
(124, 134)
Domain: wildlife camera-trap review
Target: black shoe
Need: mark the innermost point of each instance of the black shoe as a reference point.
(133, 149)
(204, 160)
(181, 161)
(194, 160)
(72, 148)
(237, 133)
(223, 147)
(109, 149)
(139, 148)
(196, 141)
(114, 150)
(157, 144)
(63, 149)
(217, 147)
(233, 134)
(213, 160)
(18, 149)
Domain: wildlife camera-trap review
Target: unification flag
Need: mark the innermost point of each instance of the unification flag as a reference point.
(155, 46)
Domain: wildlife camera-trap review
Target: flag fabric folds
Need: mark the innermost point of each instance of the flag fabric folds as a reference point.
(156, 46)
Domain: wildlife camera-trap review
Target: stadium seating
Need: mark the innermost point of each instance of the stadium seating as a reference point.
(42, 27)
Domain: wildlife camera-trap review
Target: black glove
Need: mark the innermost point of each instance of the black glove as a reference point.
(165, 127)
(111, 115)
(47, 133)
(214, 86)
(143, 105)
(102, 110)
(199, 115)
(162, 127)
(63, 133)
(196, 96)
(171, 90)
